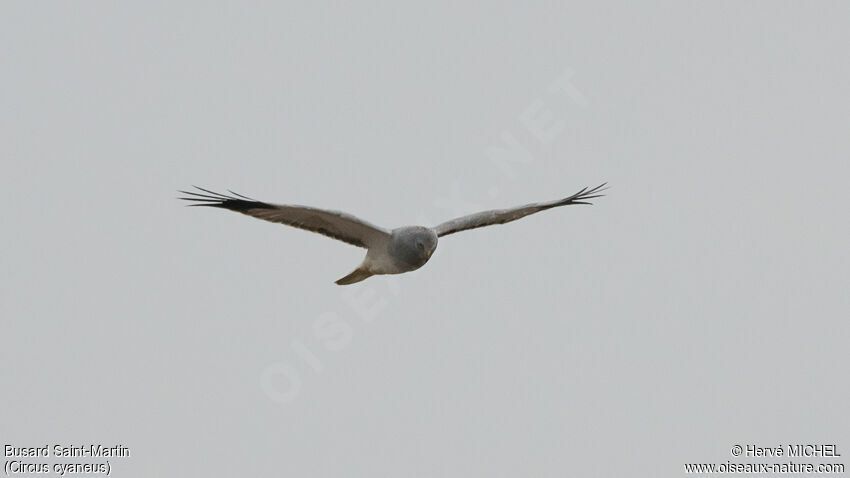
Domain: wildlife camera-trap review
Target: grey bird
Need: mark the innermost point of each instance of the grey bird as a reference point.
(396, 251)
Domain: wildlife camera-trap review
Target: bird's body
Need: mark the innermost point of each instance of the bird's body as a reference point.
(407, 249)
(400, 250)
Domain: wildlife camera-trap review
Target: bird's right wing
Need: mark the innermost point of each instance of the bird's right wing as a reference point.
(335, 224)
(501, 216)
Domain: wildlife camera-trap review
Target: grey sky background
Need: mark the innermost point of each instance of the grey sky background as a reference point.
(703, 303)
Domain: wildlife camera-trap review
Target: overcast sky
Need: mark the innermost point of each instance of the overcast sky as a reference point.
(703, 303)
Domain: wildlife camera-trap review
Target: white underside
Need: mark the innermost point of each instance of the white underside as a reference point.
(380, 262)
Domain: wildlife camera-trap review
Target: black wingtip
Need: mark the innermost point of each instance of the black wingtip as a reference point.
(584, 194)
(234, 202)
(241, 196)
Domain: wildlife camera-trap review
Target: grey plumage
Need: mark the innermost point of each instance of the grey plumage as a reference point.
(401, 250)
(501, 216)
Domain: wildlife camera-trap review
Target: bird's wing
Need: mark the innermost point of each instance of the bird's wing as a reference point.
(501, 216)
(335, 224)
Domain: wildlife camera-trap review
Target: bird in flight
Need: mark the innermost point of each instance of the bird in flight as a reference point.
(395, 251)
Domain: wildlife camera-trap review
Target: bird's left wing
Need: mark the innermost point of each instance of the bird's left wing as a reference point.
(335, 224)
(501, 216)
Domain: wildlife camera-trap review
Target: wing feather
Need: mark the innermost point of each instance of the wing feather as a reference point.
(335, 224)
(501, 216)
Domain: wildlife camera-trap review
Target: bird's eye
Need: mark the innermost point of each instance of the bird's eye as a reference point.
(420, 245)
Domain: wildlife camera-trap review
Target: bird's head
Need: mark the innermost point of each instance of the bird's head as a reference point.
(413, 245)
(427, 243)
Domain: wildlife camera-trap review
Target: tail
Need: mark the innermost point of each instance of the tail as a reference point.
(356, 275)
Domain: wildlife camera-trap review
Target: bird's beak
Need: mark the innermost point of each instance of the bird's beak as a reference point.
(430, 251)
